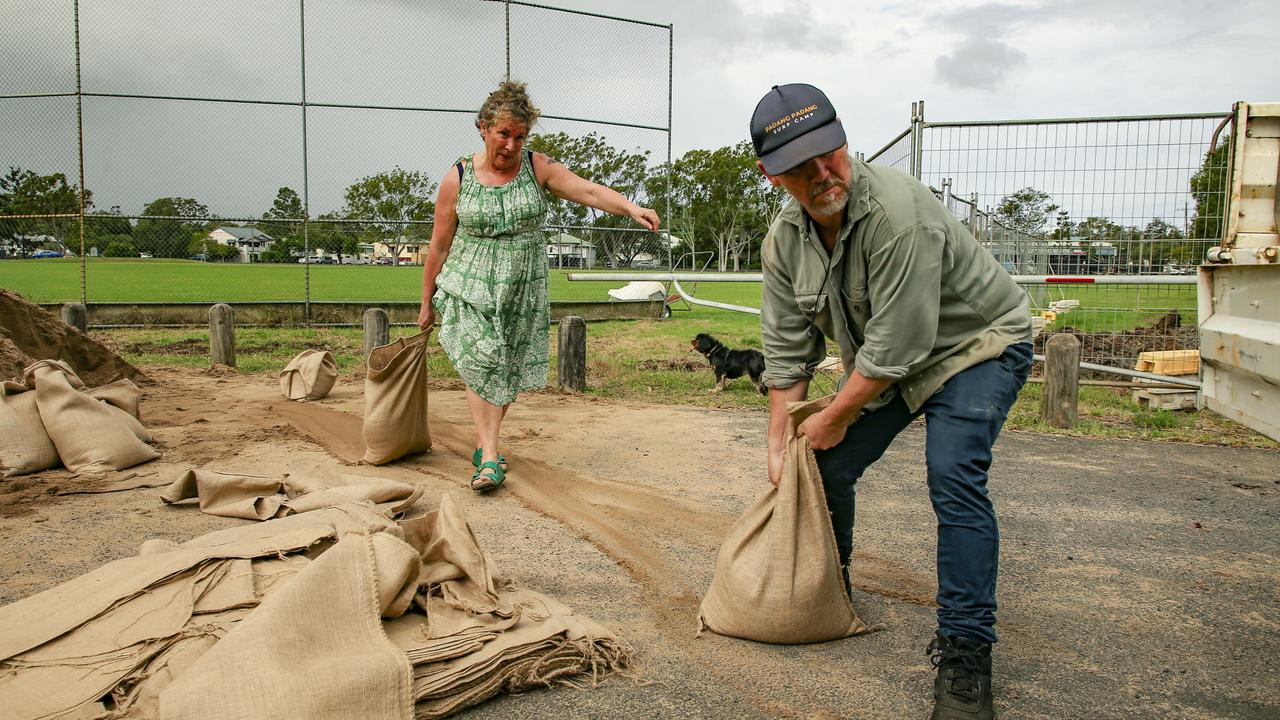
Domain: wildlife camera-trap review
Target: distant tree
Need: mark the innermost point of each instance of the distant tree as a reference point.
(391, 202)
(283, 250)
(213, 251)
(1209, 190)
(120, 248)
(103, 228)
(721, 202)
(333, 236)
(284, 219)
(591, 156)
(1027, 210)
(23, 192)
(169, 237)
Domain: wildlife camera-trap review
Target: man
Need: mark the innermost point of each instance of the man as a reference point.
(928, 323)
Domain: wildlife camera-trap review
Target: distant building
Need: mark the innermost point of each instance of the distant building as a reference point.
(250, 241)
(566, 251)
(407, 251)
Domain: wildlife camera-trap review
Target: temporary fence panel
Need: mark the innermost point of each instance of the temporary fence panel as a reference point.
(1135, 196)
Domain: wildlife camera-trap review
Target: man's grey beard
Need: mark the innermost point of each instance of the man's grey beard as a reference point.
(833, 205)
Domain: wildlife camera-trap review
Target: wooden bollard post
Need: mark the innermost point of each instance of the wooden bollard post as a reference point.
(222, 335)
(74, 315)
(571, 364)
(1061, 380)
(377, 330)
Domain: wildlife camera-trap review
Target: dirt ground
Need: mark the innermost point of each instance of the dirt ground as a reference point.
(1137, 579)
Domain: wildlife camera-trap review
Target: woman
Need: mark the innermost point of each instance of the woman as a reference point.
(486, 266)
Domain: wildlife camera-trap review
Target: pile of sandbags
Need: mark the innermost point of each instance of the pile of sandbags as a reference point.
(47, 417)
(334, 613)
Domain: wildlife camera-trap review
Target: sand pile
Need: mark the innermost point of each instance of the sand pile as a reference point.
(29, 333)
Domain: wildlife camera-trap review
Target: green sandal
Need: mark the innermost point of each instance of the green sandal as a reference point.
(475, 459)
(482, 482)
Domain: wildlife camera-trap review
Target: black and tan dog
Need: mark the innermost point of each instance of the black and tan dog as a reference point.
(729, 364)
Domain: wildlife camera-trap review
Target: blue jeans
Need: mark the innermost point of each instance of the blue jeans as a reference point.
(962, 421)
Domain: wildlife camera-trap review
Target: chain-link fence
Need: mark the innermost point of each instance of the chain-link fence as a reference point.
(1123, 207)
(291, 152)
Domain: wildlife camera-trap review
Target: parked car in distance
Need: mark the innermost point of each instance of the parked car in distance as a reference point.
(201, 257)
(46, 254)
(382, 261)
(145, 256)
(315, 260)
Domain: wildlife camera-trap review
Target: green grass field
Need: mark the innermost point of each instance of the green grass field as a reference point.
(1102, 308)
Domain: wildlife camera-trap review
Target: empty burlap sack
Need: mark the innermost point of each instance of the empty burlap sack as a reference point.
(259, 497)
(315, 649)
(395, 401)
(25, 447)
(778, 574)
(91, 436)
(309, 375)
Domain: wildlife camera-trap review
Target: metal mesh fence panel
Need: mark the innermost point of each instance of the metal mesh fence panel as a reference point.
(1135, 196)
(292, 152)
(896, 154)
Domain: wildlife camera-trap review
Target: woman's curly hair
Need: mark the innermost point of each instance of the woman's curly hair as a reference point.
(511, 98)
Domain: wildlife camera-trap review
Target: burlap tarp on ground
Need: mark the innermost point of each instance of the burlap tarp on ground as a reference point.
(311, 615)
(47, 417)
(309, 375)
(395, 401)
(778, 576)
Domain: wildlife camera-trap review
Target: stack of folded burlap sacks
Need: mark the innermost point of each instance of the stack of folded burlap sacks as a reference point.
(47, 417)
(337, 612)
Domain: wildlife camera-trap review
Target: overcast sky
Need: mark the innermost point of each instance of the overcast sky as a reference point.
(973, 60)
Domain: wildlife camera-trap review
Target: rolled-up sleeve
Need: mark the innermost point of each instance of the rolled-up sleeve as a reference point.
(790, 355)
(906, 286)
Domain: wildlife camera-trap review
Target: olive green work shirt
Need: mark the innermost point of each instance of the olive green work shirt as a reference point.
(908, 293)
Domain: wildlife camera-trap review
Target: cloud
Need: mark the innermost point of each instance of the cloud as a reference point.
(979, 62)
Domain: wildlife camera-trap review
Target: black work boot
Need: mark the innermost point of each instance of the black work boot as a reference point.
(848, 586)
(962, 690)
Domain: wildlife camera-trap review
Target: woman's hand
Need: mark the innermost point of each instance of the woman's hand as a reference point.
(427, 317)
(645, 216)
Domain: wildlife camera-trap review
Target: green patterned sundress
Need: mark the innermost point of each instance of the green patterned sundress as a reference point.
(492, 292)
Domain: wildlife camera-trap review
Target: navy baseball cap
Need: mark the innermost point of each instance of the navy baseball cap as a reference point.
(792, 124)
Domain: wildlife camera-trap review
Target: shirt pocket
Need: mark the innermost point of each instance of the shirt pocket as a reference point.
(811, 305)
(857, 305)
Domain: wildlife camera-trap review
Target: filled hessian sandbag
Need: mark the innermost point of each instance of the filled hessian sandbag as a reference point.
(395, 401)
(778, 576)
(309, 376)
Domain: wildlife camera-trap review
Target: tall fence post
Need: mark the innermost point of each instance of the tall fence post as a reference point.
(915, 140)
(1061, 380)
(377, 330)
(571, 362)
(917, 145)
(74, 315)
(222, 335)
